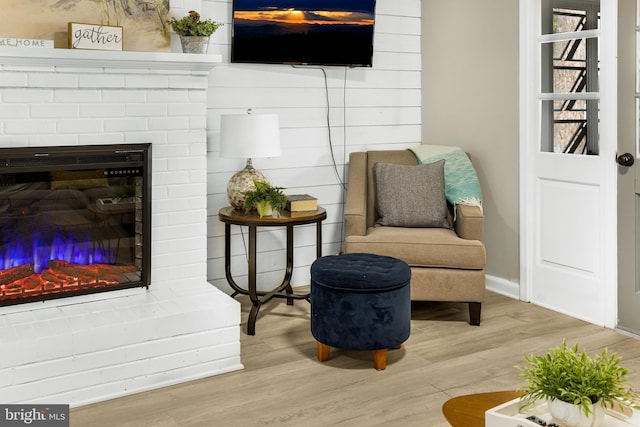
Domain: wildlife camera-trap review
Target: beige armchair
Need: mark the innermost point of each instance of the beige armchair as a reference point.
(446, 265)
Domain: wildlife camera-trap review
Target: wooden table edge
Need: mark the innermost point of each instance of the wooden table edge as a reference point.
(469, 410)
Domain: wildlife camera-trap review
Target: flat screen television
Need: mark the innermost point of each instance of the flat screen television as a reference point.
(310, 32)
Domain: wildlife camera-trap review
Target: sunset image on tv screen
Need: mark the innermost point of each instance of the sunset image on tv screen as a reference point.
(328, 32)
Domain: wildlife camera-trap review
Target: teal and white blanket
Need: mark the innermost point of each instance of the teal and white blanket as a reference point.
(460, 178)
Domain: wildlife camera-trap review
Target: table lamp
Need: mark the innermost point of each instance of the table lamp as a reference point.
(247, 136)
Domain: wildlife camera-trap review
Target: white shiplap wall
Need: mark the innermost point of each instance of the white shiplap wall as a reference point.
(369, 108)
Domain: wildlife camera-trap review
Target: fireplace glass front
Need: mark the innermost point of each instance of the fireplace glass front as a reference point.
(73, 220)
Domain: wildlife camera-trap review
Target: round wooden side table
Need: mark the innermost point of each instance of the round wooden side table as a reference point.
(230, 216)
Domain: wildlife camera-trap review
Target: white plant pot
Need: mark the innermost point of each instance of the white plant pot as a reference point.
(268, 210)
(569, 415)
(264, 209)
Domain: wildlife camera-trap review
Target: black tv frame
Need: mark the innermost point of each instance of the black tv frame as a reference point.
(269, 41)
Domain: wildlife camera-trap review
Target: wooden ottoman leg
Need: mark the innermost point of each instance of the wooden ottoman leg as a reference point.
(380, 359)
(323, 351)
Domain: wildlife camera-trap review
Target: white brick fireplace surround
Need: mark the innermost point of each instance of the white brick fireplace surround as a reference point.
(90, 348)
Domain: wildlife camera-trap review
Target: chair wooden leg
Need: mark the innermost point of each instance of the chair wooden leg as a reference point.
(380, 359)
(323, 351)
(474, 313)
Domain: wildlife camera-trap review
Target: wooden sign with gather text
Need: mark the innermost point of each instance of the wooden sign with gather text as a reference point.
(94, 36)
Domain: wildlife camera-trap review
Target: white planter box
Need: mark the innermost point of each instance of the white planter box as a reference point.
(508, 415)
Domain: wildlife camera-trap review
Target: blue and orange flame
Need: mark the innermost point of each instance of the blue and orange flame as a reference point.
(60, 246)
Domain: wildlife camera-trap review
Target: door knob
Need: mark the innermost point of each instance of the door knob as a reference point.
(625, 159)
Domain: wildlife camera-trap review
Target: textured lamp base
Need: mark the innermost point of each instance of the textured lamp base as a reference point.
(242, 182)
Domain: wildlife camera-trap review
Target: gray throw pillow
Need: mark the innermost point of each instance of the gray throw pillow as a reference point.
(411, 196)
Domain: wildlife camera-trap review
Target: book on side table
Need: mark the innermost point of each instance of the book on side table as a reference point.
(301, 203)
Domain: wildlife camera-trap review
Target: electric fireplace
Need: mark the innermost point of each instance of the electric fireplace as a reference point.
(74, 220)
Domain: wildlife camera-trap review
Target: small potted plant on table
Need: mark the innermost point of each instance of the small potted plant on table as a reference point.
(268, 200)
(577, 387)
(194, 32)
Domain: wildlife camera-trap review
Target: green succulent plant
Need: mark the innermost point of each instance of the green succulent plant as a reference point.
(566, 374)
(264, 194)
(192, 25)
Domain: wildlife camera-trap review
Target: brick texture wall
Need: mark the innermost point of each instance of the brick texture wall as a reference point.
(85, 349)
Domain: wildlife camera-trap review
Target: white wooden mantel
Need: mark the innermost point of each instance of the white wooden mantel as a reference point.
(72, 58)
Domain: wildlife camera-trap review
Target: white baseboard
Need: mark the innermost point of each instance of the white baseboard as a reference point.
(503, 287)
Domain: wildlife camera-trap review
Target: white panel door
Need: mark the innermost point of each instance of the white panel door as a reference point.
(629, 168)
(568, 141)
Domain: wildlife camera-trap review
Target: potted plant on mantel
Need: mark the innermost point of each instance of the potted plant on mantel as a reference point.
(577, 387)
(194, 32)
(268, 200)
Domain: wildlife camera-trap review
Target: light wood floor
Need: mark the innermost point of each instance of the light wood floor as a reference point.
(284, 385)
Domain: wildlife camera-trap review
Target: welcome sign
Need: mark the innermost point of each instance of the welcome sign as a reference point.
(94, 36)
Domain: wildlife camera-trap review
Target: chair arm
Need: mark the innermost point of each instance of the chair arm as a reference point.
(355, 209)
(469, 222)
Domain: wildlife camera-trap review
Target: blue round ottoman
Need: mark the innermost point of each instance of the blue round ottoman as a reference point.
(360, 302)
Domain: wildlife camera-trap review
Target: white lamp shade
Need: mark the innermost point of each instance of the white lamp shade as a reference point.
(249, 135)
